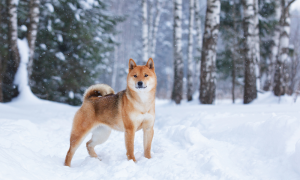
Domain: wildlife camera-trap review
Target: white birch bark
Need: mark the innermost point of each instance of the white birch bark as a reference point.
(155, 27)
(208, 57)
(32, 32)
(280, 81)
(251, 50)
(190, 53)
(145, 31)
(274, 49)
(177, 50)
(150, 26)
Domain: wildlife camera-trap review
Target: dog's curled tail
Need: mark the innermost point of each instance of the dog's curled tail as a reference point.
(98, 90)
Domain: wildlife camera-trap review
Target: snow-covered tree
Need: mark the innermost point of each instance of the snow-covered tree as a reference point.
(74, 42)
(177, 50)
(208, 57)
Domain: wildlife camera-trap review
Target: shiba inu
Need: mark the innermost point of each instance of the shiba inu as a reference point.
(129, 111)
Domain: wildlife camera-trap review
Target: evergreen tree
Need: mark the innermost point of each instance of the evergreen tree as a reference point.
(74, 41)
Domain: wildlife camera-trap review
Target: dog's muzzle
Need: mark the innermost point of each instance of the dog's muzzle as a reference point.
(140, 85)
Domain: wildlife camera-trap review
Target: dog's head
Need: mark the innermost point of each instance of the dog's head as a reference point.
(141, 78)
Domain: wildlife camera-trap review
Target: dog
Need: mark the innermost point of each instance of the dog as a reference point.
(128, 111)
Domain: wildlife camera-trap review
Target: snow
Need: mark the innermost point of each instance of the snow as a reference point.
(191, 141)
(60, 56)
(21, 78)
(23, 28)
(50, 7)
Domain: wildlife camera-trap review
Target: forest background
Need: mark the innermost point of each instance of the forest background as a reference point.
(212, 49)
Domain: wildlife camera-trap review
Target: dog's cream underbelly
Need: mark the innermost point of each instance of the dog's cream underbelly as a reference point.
(139, 119)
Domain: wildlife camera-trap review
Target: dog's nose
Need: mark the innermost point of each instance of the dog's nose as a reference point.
(140, 83)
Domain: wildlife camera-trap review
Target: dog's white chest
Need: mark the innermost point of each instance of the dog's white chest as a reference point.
(140, 117)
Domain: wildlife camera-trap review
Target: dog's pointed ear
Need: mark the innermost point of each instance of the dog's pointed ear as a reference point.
(150, 64)
(131, 64)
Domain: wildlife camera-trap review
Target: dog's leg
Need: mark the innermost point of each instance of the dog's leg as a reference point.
(79, 132)
(100, 135)
(148, 136)
(129, 142)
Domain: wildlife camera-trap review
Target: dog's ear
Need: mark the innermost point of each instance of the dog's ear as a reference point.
(150, 64)
(131, 64)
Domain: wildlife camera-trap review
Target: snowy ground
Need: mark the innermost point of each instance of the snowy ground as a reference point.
(191, 141)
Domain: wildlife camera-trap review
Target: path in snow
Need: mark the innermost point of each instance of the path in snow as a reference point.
(191, 141)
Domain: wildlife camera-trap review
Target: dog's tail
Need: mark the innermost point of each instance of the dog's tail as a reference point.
(98, 90)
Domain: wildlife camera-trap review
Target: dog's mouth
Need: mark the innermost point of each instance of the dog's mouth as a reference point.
(141, 87)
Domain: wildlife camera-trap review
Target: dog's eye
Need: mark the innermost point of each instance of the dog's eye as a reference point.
(146, 75)
(135, 76)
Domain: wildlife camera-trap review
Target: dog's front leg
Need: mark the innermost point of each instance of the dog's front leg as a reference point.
(129, 142)
(148, 136)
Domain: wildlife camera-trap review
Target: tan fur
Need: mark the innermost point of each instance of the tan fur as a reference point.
(128, 111)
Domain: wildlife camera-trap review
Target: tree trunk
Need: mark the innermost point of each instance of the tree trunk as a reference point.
(268, 86)
(177, 50)
(198, 26)
(190, 82)
(233, 53)
(1, 75)
(256, 45)
(251, 50)
(1, 61)
(294, 70)
(198, 39)
(13, 60)
(145, 31)
(279, 78)
(150, 25)
(32, 32)
(208, 57)
(155, 27)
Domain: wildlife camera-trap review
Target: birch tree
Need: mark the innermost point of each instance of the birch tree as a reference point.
(32, 32)
(208, 57)
(274, 49)
(251, 41)
(198, 37)
(1, 60)
(13, 60)
(190, 53)
(198, 25)
(1, 79)
(233, 52)
(177, 50)
(145, 31)
(155, 28)
(282, 57)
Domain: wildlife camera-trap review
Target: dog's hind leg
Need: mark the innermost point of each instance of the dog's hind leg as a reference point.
(100, 135)
(79, 131)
